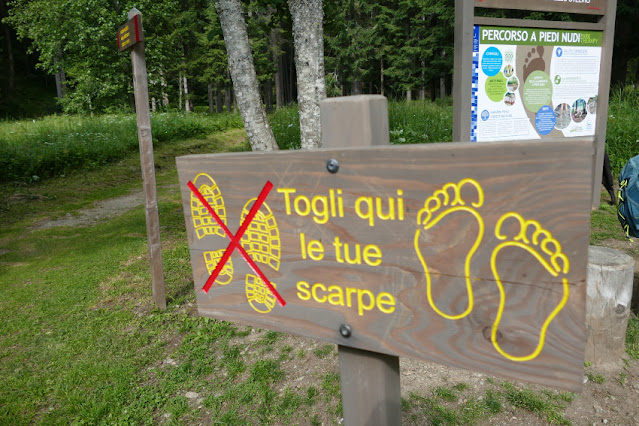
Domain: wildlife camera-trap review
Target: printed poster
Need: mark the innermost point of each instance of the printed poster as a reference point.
(533, 83)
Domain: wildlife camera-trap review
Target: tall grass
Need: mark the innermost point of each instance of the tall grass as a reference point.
(420, 121)
(622, 135)
(34, 149)
(409, 122)
(55, 145)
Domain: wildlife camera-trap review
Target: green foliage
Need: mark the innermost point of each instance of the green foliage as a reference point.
(622, 134)
(632, 338)
(285, 123)
(31, 150)
(420, 122)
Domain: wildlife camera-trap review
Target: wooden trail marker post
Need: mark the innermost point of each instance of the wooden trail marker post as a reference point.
(130, 36)
(529, 79)
(468, 255)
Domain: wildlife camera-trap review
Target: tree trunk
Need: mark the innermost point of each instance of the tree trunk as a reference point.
(381, 76)
(188, 104)
(165, 96)
(274, 40)
(291, 80)
(243, 75)
(442, 80)
(60, 86)
(356, 87)
(268, 95)
(219, 105)
(409, 95)
(180, 92)
(308, 36)
(11, 68)
(422, 88)
(210, 92)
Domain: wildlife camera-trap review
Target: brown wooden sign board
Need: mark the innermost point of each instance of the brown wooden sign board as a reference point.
(469, 255)
(130, 33)
(586, 7)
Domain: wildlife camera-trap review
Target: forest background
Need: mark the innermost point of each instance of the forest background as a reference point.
(61, 56)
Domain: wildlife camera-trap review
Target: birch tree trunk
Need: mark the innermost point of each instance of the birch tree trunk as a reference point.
(243, 75)
(308, 37)
(188, 105)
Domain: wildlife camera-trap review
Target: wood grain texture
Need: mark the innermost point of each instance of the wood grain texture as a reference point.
(591, 7)
(529, 23)
(145, 138)
(547, 182)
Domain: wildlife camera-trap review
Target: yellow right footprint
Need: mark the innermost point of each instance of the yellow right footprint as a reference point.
(262, 243)
(539, 243)
(442, 203)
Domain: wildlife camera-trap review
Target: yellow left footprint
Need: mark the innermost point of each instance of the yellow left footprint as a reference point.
(444, 202)
(204, 223)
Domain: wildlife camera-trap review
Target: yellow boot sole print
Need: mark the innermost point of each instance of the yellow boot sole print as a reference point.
(262, 243)
(540, 244)
(442, 203)
(205, 225)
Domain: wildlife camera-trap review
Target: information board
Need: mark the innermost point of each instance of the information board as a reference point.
(418, 251)
(533, 83)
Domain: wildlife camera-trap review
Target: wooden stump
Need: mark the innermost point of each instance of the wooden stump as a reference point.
(609, 293)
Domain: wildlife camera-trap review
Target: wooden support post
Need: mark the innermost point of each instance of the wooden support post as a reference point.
(371, 392)
(602, 102)
(148, 168)
(609, 293)
(463, 66)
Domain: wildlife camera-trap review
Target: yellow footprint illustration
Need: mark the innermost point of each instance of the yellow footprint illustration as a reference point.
(262, 243)
(204, 223)
(445, 201)
(540, 243)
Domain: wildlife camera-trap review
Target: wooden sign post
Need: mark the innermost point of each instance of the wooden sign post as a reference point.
(362, 121)
(468, 255)
(534, 79)
(130, 35)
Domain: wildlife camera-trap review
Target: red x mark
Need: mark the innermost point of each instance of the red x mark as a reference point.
(235, 239)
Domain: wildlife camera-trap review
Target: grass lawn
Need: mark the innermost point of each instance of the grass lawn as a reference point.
(80, 341)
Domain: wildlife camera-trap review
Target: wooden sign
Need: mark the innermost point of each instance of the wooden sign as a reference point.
(590, 7)
(130, 33)
(469, 255)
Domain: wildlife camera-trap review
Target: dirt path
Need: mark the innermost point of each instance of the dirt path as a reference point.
(101, 211)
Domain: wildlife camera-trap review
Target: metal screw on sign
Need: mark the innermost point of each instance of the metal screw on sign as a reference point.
(345, 330)
(332, 165)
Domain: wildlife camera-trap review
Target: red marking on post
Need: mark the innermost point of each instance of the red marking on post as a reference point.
(137, 29)
(235, 240)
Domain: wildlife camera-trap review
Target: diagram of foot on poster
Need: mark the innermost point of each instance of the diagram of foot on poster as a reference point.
(532, 83)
